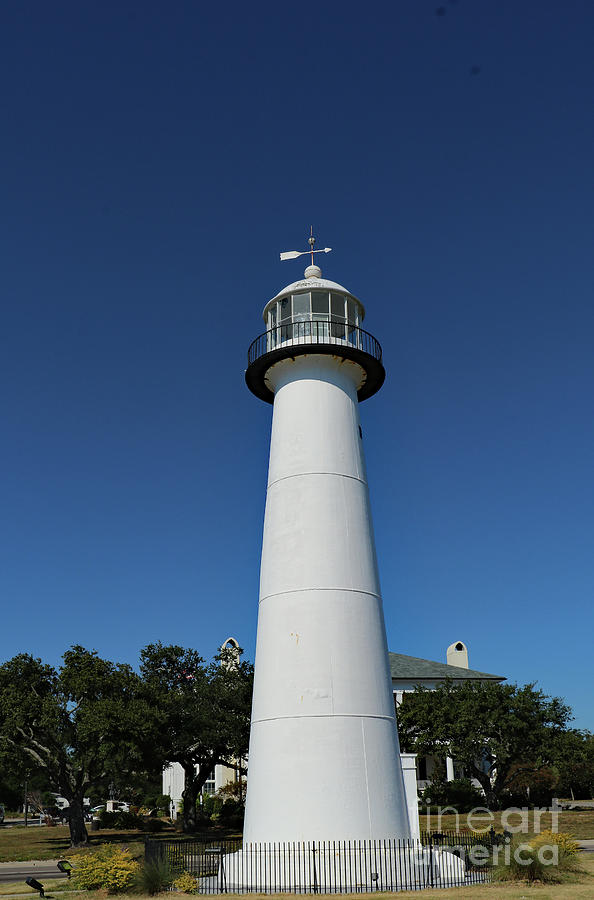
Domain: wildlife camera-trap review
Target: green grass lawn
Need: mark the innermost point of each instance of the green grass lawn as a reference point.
(581, 889)
(580, 824)
(19, 887)
(40, 842)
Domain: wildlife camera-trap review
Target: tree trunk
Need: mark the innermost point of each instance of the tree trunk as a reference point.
(190, 796)
(76, 822)
(484, 780)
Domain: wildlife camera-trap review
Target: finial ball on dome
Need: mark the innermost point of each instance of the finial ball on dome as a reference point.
(313, 272)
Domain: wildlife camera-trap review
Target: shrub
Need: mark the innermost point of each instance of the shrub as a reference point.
(155, 876)
(539, 796)
(109, 868)
(156, 804)
(202, 820)
(108, 819)
(186, 883)
(232, 814)
(120, 820)
(152, 825)
(211, 805)
(562, 839)
(528, 862)
(460, 793)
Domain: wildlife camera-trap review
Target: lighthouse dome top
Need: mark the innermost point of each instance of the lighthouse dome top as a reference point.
(314, 317)
(312, 281)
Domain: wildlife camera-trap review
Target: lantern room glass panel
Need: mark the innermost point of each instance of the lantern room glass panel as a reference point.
(301, 307)
(337, 310)
(319, 304)
(351, 307)
(284, 308)
(301, 316)
(272, 331)
(320, 314)
(285, 332)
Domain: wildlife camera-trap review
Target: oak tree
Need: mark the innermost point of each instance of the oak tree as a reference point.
(204, 711)
(573, 760)
(79, 724)
(497, 731)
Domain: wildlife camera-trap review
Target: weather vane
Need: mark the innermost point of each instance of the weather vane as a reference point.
(293, 254)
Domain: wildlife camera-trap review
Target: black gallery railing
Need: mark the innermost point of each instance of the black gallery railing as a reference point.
(329, 867)
(335, 332)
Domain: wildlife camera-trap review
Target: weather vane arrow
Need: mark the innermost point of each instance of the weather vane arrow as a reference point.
(293, 254)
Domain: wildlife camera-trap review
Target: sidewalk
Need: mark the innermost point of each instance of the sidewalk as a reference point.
(30, 862)
(42, 869)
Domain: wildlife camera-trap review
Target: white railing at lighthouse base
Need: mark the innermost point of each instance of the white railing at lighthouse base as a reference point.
(328, 867)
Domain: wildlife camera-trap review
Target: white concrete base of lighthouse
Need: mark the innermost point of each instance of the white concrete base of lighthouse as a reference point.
(339, 867)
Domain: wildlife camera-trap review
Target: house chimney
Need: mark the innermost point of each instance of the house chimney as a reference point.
(457, 655)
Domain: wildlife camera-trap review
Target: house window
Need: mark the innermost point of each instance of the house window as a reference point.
(209, 786)
(459, 770)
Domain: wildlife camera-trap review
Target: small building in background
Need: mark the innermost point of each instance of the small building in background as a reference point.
(408, 672)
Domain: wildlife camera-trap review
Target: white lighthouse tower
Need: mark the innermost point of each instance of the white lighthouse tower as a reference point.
(324, 760)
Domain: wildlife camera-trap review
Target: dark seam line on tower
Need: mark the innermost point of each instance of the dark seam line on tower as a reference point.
(304, 590)
(326, 716)
(304, 474)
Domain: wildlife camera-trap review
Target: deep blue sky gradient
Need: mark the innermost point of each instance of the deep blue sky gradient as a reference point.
(155, 158)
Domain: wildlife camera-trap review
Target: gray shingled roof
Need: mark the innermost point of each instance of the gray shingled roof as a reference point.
(411, 667)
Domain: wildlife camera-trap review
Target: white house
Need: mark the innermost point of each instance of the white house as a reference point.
(410, 671)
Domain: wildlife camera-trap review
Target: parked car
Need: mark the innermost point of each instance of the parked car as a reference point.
(118, 806)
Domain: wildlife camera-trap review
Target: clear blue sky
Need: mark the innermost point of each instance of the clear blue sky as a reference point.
(155, 159)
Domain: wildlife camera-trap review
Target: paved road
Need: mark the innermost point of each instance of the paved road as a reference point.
(43, 870)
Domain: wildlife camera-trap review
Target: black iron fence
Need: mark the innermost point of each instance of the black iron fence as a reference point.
(438, 860)
(335, 332)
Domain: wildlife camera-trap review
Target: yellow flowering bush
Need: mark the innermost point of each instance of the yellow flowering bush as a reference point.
(534, 862)
(563, 839)
(186, 883)
(110, 868)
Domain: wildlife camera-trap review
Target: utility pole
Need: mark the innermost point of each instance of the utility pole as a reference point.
(26, 798)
